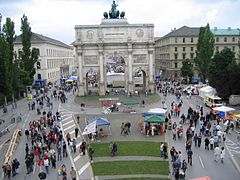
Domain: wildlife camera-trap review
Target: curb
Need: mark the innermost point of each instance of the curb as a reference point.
(232, 159)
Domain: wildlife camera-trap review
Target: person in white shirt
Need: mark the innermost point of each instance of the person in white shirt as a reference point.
(217, 152)
(222, 154)
(46, 164)
(211, 140)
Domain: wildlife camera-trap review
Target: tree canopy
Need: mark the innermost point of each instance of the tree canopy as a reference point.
(204, 53)
(224, 73)
(187, 69)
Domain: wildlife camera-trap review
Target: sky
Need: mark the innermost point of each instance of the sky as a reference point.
(57, 18)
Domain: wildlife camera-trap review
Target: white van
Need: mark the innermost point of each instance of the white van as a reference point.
(212, 101)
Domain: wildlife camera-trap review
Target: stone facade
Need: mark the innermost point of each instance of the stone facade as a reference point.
(114, 39)
(180, 44)
(55, 58)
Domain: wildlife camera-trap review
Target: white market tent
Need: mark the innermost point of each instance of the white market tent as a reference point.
(207, 90)
(90, 128)
(157, 111)
(223, 109)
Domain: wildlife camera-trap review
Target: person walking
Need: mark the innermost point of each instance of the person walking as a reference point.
(189, 154)
(199, 139)
(122, 128)
(238, 138)
(184, 166)
(222, 155)
(76, 132)
(73, 174)
(46, 165)
(217, 152)
(195, 138)
(211, 141)
(207, 143)
(90, 152)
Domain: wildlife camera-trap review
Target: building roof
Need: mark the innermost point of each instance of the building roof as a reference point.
(226, 32)
(184, 31)
(38, 39)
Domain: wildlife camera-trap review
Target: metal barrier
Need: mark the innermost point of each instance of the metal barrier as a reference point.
(12, 146)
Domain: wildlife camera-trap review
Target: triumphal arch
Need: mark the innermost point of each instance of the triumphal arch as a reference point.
(115, 54)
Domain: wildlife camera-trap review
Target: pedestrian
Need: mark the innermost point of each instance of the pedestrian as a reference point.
(46, 165)
(207, 143)
(84, 144)
(199, 140)
(217, 152)
(222, 155)
(42, 175)
(184, 166)
(161, 149)
(211, 141)
(238, 138)
(164, 151)
(177, 175)
(189, 154)
(74, 145)
(64, 149)
(174, 133)
(29, 106)
(59, 150)
(64, 172)
(90, 152)
(76, 132)
(122, 128)
(73, 173)
(195, 138)
(53, 160)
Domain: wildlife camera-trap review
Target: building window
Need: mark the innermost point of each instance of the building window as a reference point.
(233, 39)
(183, 40)
(176, 65)
(217, 39)
(175, 56)
(192, 55)
(175, 49)
(225, 39)
(191, 39)
(217, 48)
(184, 56)
(175, 40)
(192, 48)
(233, 48)
(183, 48)
(38, 65)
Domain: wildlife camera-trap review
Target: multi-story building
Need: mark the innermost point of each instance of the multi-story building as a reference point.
(180, 44)
(56, 59)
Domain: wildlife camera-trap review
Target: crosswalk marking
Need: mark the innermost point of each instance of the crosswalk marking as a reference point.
(69, 127)
(84, 168)
(64, 124)
(72, 132)
(69, 117)
(78, 145)
(77, 158)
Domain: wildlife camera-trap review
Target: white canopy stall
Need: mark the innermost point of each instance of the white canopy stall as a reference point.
(207, 90)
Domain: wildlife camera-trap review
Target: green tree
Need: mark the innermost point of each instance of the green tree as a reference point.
(204, 53)
(187, 69)
(221, 69)
(9, 33)
(28, 56)
(4, 64)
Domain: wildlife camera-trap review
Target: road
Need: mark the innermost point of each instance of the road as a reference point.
(203, 160)
(203, 163)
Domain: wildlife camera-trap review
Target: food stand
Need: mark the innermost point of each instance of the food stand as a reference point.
(154, 125)
(129, 105)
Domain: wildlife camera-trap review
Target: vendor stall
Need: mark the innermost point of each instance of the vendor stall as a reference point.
(129, 105)
(154, 125)
(223, 110)
(100, 123)
(158, 111)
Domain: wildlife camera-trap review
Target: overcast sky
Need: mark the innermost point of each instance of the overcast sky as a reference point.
(57, 18)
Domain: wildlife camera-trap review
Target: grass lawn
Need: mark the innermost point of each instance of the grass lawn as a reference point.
(93, 101)
(129, 148)
(130, 167)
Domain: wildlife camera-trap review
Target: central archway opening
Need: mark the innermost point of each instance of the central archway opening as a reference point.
(92, 82)
(115, 72)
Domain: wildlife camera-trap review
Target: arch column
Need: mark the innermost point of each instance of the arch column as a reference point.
(130, 69)
(151, 70)
(102, 88)
(81, 89)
